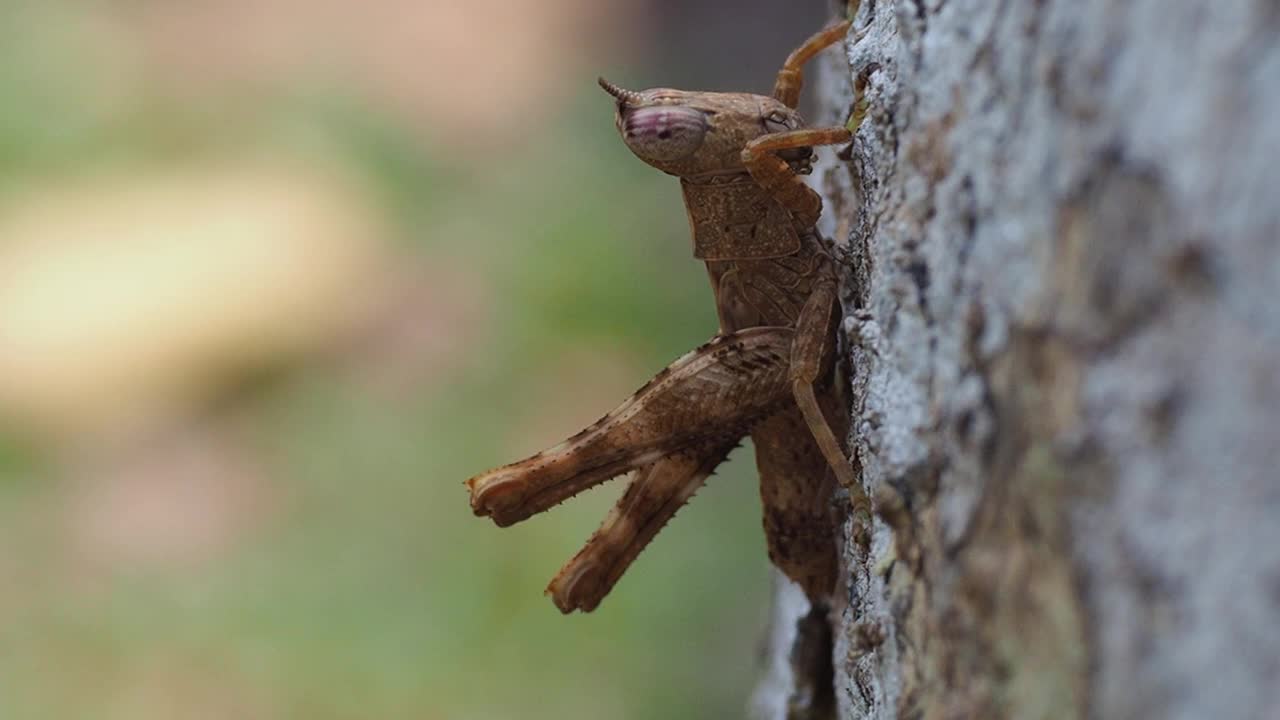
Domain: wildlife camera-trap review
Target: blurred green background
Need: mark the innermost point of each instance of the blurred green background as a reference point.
(275, 278)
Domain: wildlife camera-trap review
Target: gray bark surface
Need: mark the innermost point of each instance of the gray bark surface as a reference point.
(1061, 312)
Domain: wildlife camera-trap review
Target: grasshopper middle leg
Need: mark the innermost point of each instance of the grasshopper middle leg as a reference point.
(812, 355)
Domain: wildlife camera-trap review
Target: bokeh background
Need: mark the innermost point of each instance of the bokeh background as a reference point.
(276, 276)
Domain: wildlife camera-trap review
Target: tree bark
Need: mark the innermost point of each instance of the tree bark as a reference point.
(1063, 224)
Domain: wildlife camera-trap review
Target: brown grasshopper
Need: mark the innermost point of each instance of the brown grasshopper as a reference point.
(739, 157)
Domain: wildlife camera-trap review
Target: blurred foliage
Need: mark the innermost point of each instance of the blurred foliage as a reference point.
(370, 591)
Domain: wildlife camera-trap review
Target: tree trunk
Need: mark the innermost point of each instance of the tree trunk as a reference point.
(1063, 224)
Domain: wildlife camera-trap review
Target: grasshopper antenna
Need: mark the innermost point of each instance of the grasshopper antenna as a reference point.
(626, 97)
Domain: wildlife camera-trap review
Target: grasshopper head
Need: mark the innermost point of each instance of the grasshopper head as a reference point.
(696, 133)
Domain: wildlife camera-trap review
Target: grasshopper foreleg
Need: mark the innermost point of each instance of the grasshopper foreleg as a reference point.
(773, 173)
(791, 76)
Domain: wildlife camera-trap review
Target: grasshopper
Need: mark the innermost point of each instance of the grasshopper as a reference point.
(739, 158)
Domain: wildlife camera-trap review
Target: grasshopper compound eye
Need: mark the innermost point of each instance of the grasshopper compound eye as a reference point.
(663, 132)
(657, 132)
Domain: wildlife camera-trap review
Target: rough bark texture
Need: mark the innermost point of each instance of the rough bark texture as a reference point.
(1064, 219)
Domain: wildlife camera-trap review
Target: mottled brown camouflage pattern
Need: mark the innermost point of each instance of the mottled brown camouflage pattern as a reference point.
(739, 157)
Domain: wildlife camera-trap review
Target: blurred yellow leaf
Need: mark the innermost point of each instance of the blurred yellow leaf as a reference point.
(126, 297)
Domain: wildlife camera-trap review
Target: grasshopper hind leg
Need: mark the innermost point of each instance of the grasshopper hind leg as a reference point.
(716, 391)
(650, 501)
